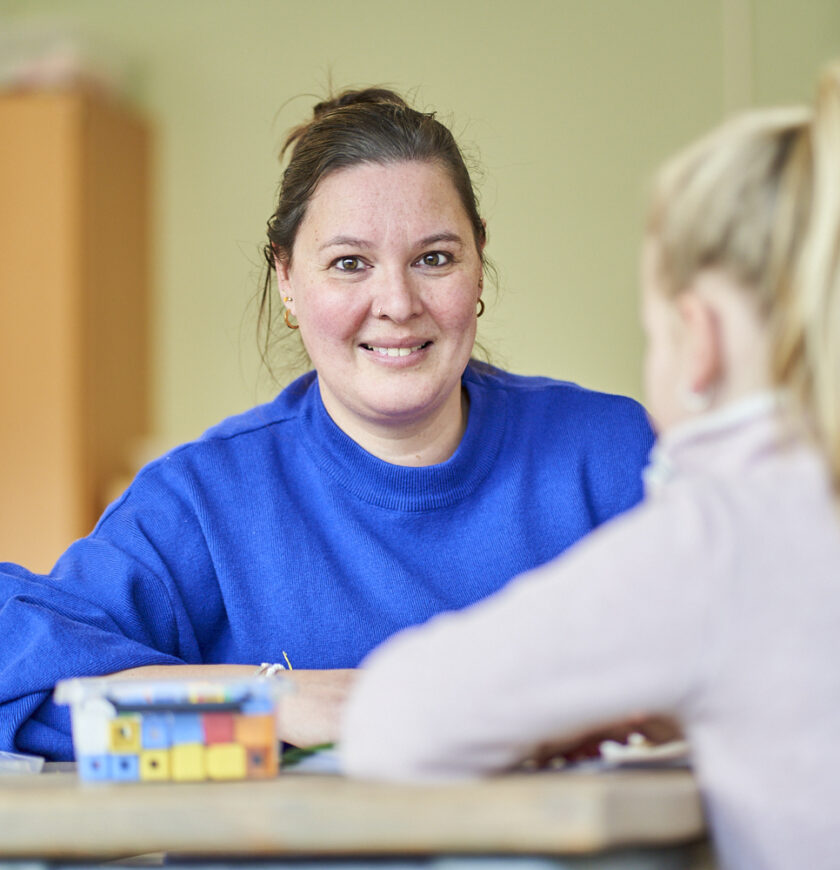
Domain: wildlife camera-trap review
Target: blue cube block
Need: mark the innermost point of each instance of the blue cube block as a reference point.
(156, 731)
(258, 704)
(187, 728)
(125, 767)
(94, 767)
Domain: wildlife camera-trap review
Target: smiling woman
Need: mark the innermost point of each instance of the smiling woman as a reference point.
(383, 270)
(384, 283)
(397, 479)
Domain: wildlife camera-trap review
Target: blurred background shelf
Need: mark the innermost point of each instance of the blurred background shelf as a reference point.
(74, 292)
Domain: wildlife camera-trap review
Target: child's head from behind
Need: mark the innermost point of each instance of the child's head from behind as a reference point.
(741, 269)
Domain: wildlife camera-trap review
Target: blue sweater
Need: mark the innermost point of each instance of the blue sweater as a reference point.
(276, 532)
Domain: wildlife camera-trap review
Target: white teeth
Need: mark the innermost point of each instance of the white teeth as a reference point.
(395, 351)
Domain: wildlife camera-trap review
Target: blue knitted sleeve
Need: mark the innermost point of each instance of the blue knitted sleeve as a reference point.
(116, 599)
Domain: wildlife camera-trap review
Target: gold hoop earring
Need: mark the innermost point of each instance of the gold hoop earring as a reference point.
(480, 308)
(286, 314)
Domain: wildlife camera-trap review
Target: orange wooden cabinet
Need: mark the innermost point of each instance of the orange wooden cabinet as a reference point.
(74, 290)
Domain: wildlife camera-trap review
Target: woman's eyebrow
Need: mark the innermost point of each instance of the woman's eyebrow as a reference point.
(354, 242)
(345, 240)
(441, 237)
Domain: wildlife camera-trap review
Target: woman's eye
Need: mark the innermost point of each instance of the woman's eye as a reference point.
(435, 258)
(349, 264)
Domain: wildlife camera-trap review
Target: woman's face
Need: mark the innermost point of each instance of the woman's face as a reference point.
(384, 280)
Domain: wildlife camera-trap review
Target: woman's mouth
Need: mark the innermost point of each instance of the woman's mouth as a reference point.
(395, 351)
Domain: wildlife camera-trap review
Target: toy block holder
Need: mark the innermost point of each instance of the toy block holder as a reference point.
(174, 730)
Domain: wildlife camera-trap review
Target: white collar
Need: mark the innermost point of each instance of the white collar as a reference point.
(734, 415)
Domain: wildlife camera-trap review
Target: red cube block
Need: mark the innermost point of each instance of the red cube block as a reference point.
(218, 727)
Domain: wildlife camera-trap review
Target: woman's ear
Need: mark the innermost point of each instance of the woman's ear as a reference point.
(703, 351)
(284, 282)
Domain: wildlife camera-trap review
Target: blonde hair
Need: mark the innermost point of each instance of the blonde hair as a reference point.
(759, 198)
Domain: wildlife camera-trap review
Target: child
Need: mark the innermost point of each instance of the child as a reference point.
(717, 602)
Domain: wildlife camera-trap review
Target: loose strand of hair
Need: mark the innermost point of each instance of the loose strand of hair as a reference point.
(818, 276)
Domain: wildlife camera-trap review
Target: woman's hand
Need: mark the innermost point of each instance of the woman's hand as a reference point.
(310, 714)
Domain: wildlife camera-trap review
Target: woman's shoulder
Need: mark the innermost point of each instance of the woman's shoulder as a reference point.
(283, 408)
(224, 445)
(563, 401)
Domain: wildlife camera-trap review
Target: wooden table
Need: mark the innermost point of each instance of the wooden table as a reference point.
(54, 816)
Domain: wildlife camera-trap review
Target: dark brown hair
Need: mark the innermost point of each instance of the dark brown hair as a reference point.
(373, 125)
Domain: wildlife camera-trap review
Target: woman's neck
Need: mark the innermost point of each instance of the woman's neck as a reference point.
(416, 443)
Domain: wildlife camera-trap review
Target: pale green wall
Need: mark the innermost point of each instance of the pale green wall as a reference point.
(569, 103)
(790, 39)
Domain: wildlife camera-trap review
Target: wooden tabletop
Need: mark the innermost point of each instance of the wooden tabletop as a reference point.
(53, 815)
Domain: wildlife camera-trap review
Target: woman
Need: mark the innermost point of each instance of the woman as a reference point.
(716, 603)
(395, 480)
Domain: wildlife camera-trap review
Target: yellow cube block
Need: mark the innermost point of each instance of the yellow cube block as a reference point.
(154, 764)
(187, 762)
(226, 761)
(124, 734)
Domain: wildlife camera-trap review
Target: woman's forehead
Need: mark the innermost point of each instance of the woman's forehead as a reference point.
(418, 196)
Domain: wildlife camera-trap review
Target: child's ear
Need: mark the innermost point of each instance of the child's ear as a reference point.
(702, 342)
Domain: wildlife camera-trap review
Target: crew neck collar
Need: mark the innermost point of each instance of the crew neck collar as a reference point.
(408, 488)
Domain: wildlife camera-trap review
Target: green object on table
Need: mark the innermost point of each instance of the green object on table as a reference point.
(296, 754)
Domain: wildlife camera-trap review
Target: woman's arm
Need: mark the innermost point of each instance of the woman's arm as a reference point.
(137, 591)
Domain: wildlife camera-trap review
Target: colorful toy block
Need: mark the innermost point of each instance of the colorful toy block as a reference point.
(156, 731)
(226, 761)
(125, 768)
(254, 730)
(185, 731)
(218, 727)
(187, 728)
(94, 767)
(187, 762)
(253, 706)
(154, 764)
(125, 734)
(262, 761)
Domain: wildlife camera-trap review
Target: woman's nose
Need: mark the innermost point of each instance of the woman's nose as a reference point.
(396, 296)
